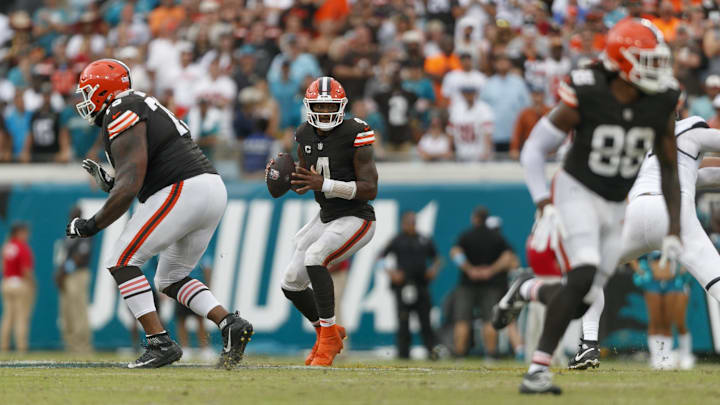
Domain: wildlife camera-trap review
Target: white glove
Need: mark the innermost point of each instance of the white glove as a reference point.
(102, 178)
(672, 248)
(548, 230)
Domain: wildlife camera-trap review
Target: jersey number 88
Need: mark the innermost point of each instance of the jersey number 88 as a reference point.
(615, 151)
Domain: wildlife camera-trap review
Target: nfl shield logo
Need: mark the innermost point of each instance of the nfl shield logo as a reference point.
(628, 114)
(320, 146)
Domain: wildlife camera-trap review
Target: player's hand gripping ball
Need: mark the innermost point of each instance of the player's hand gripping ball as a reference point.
(278, 173)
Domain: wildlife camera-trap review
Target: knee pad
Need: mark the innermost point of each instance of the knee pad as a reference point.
(314, 256)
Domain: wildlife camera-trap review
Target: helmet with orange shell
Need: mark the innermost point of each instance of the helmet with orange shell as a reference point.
(637, 51)
(100, 82)
(325, 90)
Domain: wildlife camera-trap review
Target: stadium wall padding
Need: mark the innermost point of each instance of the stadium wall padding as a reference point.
(254, 242)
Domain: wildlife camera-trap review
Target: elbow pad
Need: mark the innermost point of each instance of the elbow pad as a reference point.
(340, 189)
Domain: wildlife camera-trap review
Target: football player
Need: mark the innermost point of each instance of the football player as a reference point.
(618, 110)
(182, 199)
(645, 222)
(336, 163)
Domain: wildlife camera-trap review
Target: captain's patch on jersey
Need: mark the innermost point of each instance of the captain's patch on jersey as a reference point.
(364, 138)
(121, 123)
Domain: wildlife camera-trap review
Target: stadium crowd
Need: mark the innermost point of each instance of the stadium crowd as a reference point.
(438, 79)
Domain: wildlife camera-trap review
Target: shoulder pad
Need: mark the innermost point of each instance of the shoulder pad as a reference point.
(364, 135)
(689, 123)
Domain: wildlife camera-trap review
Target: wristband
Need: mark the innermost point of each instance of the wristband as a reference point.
(341, 189)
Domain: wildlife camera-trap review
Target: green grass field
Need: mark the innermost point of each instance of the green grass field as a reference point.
(99, 380)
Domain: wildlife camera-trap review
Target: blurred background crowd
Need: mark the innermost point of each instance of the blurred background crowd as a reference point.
(438, 80)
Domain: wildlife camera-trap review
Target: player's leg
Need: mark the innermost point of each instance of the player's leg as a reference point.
(296, 282)
(488, 297)
(423, 307)
(677, 304)
(588, 354)
(465, 297)
(403, 337)
(699, 256)
(578, 210)
(339, 240)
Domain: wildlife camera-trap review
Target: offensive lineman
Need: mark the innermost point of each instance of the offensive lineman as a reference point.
(335, 162)
(182, 199)
(618, 110)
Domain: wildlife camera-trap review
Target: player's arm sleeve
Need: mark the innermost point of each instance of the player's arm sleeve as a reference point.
(708, 177)
(705, 140)
(544, 138)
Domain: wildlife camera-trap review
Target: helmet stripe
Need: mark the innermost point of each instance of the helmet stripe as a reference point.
(325, 85)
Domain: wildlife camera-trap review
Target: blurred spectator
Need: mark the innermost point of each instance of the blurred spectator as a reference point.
(87, 44)
(711, 42)
(63, 77)
(397, 106)
(703, 105)
(356, 66)
(471, 126)
(408, 259)
(257, 148)
(205, 121)
(17, 122)
(435, 145)
(48, 142)
(465, 77)
(220, 88)
(467, 38)
(715, 120)
(553, 69)
(666, 21)
(163, 58)
(284, 91)
(526, 120)
(484, 257)
(83, 136)
(441, 63)
(139, 75)
(5, 144)
(688, 61)
(507, 95)
(167, 13)
(18, 289)
(185, 80)
(131, 30)
(302, 64)
(21, 75)
(416, 82)
(72, 277)
(335, 11)
(582, 51)
(49, 22)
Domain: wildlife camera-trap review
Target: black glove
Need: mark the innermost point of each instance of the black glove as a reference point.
(102, 178)
(81, 228)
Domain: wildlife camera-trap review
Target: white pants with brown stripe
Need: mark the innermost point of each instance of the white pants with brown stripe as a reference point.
(593, 227)
(177, 223)
(320, 244)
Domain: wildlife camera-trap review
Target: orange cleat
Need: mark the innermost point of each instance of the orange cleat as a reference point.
(329, 345)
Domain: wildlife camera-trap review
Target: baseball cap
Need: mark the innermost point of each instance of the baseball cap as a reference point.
(712, 81)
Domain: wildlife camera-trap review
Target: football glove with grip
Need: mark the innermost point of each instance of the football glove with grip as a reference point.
(81, 228)
(672, 248)
(102, 178)
(548, 230)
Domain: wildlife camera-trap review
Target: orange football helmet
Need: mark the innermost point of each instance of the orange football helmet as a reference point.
(325, 90)
(99, 83)
(637, 51)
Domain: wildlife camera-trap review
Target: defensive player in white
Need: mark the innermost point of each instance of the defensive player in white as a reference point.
(646, 220)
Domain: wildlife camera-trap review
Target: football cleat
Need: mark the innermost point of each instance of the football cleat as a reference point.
(160, 350)
(236, 333)
(330, 345)
(313, 351)
(587, 356)
(510, 305)
(539, 382)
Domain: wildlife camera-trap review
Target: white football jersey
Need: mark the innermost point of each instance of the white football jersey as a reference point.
(694, 137)
(469, 127)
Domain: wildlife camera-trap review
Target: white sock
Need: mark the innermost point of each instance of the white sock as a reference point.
(653, 348)
(138, 296)
(529, 288)
(591, 319)
(540, 362)
(685, 344)
(196, 296)
(327, 322)
(662, 347)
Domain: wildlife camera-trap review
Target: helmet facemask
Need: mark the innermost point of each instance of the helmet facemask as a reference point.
(651, 68)
(87, 107)
(325, 120)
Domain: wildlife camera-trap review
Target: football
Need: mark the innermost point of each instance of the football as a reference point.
(279, 174)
